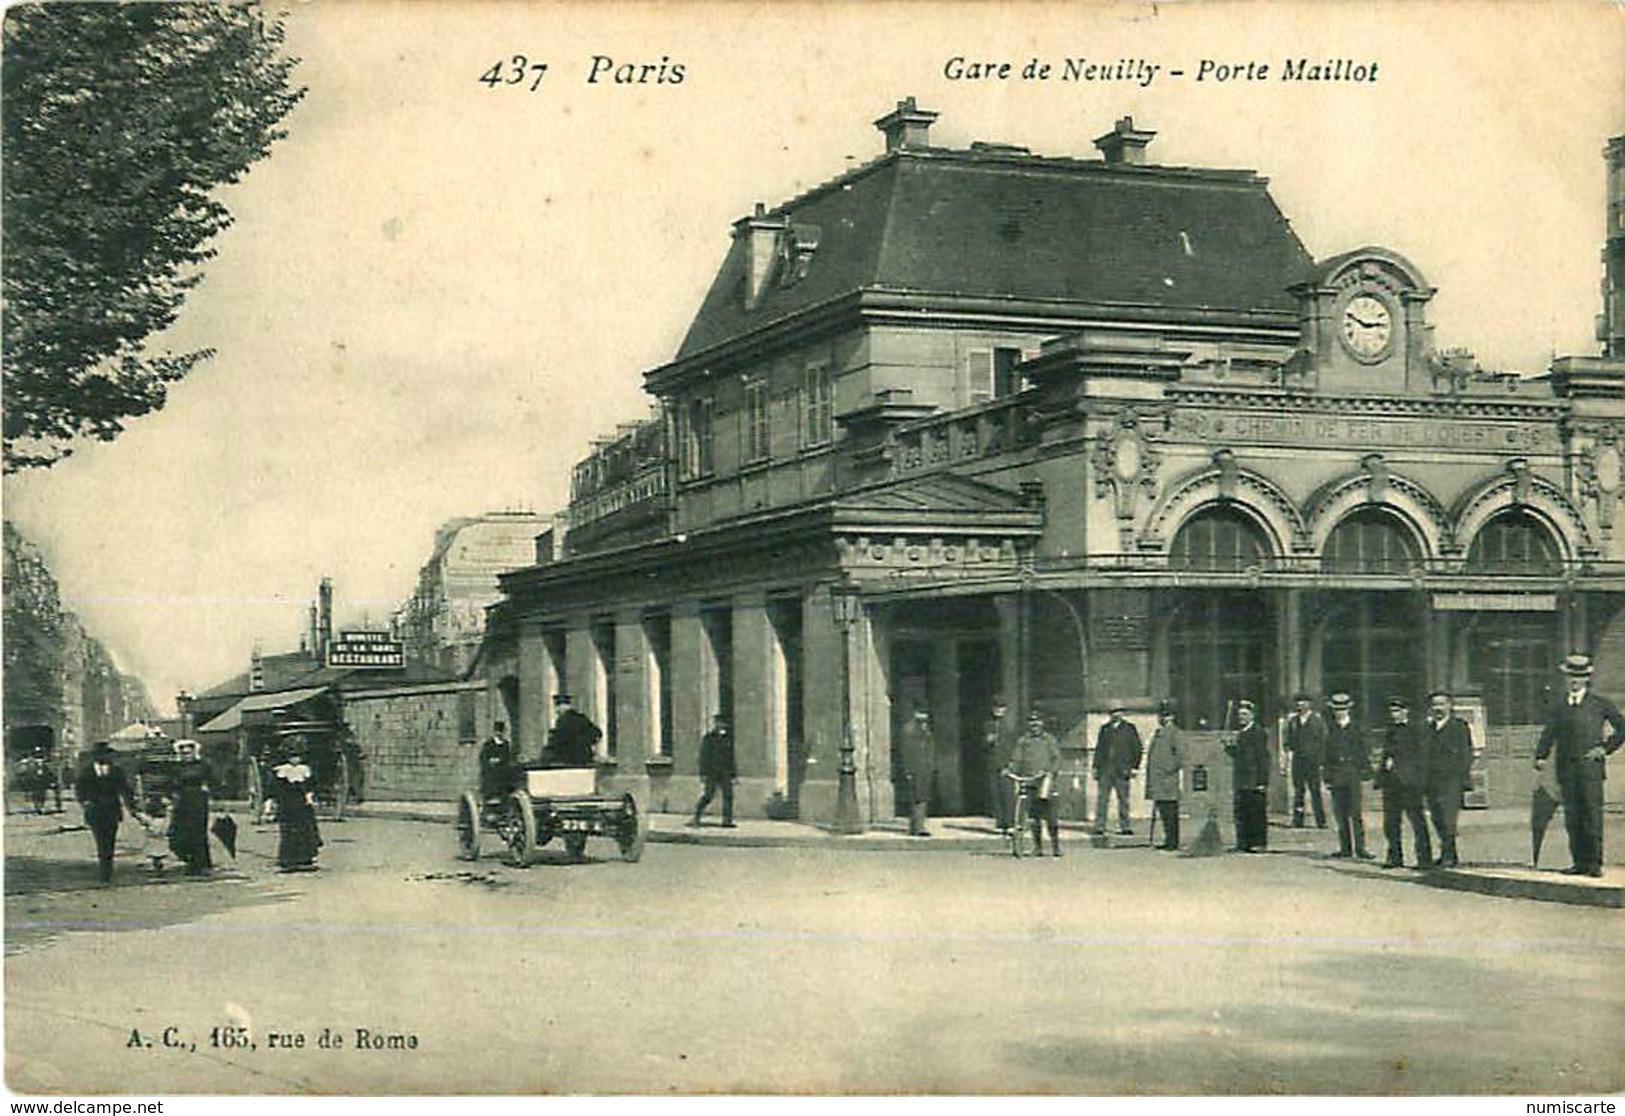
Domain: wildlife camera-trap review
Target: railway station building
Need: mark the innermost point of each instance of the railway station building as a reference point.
(1081, 431)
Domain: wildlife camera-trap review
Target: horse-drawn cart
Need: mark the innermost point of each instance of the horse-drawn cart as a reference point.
(552, 802)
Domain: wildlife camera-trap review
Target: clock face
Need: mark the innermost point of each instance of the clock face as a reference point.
(1368, 326)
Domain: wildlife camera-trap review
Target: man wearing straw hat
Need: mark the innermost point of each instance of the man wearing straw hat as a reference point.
(1584, 729)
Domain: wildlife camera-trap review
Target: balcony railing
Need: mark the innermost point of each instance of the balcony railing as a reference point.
(1547, 573)
(647, 484)
(982, 431)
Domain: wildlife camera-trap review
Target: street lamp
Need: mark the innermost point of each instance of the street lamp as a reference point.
(844, 599)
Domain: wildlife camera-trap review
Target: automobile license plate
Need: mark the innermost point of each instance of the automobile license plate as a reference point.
(575, 825)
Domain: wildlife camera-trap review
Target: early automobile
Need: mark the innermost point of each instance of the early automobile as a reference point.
(549, 802)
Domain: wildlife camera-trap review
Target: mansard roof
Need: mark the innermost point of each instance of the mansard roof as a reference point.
(994, 223)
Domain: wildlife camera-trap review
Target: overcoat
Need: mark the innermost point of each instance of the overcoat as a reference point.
(1164, 759)
(917, 753)
(717, 756)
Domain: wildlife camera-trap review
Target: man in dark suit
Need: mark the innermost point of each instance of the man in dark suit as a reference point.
(104, 793)
(1249, 753)
(1402, 773)
(573, 739)
(1448, 743)
(499, 767)
(917, 755)
(1346, 766)
(1306, 740)
(717, 771)
(1583, 730)
(1117, 754)
(999, 742)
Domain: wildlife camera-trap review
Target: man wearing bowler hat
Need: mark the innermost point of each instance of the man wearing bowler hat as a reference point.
(1117, 754)
(1346, 767)
(573, 739)
(1402, 773)
(1583, 730)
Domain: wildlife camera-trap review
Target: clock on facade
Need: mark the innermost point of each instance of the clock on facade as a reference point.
(1367, 328)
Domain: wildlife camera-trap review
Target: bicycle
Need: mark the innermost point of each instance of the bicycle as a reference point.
(1023, 841)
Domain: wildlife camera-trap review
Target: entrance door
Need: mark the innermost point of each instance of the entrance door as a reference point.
(1217, 655)
(1373, 649)
(978, 680)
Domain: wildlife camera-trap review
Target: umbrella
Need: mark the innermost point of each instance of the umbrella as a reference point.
(225, 828)
(1543, 803)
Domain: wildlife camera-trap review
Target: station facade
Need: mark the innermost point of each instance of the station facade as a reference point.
(1080, 431)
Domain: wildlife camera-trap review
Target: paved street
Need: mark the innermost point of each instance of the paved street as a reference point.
(795, 969)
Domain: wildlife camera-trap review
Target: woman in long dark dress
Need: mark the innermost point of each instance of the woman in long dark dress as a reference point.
(189, 812)
(298, 838)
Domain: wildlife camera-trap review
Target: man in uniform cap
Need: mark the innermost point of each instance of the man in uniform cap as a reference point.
(1402, 773)
(1117, 754)
(1037, 756)
(499, 766)
(1346, 767)
(573, 739)
(1306, 741)
(1249, 753)
(1583, 730)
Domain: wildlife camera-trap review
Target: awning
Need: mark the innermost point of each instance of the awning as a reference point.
(258, 703)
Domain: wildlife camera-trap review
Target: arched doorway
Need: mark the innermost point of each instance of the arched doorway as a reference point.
(1218, 639)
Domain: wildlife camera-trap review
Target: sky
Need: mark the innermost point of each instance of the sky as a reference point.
(436, 292)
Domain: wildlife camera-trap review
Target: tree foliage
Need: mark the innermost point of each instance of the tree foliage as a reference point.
(120, 121)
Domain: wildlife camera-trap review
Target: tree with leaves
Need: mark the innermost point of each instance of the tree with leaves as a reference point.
(120, 122)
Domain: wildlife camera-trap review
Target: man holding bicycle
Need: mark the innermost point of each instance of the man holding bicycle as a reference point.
(1035, 760)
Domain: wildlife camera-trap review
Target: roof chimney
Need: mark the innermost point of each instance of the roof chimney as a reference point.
(1125, 144)
(761, 234)
(906, 126)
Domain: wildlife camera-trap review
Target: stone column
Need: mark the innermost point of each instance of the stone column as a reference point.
(535, 690)
(693, 697)
(632, 712)
(872, 716)
(584, 675)
(823, 718)
(759, 744)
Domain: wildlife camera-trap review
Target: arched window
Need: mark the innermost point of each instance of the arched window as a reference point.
(1217, 540)
(1370, 541)
(1514, 542)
